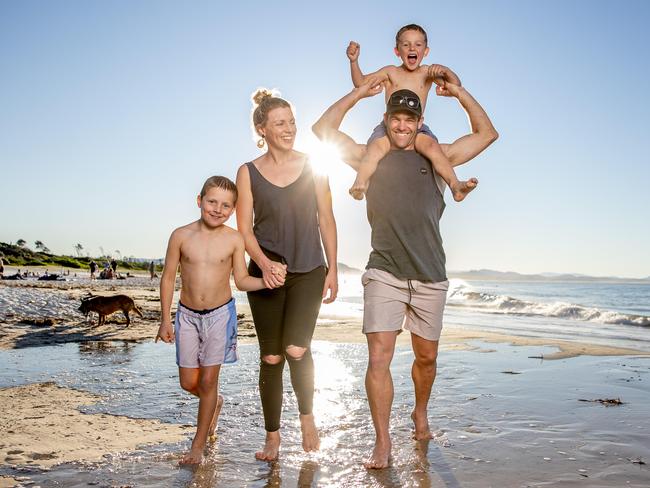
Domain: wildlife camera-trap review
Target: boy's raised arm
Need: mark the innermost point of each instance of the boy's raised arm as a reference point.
(167, 284)
(358, 78)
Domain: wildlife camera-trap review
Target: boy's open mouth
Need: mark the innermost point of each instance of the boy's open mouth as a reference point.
(412, 57)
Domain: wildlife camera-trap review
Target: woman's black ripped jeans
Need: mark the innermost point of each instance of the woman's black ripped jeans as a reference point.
(284, 317)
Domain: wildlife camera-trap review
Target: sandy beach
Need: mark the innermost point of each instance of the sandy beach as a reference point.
(42, 425)
(46, 424)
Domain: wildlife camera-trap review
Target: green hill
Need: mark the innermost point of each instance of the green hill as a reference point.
(23, 256)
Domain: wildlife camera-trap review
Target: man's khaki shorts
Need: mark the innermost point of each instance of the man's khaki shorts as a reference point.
(390, 303)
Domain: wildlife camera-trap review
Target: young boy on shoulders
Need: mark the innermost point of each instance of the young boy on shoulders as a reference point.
(205, 327)
(411, 47)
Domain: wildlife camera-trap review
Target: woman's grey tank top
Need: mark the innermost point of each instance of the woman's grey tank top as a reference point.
(285, 219)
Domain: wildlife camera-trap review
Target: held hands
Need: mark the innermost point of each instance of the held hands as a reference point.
(331, 284)
(448, 90)
(353, 51)
(370, 87)
(273, 274)
(165, 333)
(447, 83)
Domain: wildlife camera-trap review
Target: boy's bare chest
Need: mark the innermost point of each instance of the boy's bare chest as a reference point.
(207, 252)
(416, 82)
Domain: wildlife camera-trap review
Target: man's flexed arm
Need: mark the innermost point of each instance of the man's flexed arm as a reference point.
(327, 127)
(483, 132)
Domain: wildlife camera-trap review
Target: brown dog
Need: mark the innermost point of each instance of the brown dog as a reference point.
(107, 305)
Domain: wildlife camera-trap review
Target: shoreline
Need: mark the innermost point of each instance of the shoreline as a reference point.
(59, 322)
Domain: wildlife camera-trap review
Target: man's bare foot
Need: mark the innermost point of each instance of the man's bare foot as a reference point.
(462, 188)
(212, 435)
(421, 424)
(271, 447)
(380, 457)
(358, 189)
(310, 439)
(195, 456)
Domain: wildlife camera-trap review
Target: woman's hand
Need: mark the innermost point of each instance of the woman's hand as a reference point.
(331, 284)
(273, 274)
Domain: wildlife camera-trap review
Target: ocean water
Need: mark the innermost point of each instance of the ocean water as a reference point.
(492, 429)
(601, 313)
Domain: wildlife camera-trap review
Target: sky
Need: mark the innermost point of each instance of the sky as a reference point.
(112, 114)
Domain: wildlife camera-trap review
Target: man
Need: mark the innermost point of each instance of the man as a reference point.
(93, 269)
(405, 282)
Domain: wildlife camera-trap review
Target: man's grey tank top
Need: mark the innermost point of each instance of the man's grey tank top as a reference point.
(404, 206)
(285, 219)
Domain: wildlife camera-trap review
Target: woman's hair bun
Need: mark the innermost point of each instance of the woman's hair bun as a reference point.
(260, 95)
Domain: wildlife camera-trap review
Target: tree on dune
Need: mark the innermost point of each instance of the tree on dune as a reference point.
(78, 248)
(21, 242)
(41, 247)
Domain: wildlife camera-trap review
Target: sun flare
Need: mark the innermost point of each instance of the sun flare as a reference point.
(325, 158)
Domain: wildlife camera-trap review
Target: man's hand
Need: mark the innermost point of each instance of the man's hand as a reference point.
(448, 90)
(331, 284)
(165, 333)
(371, 87)
(353, 51)
(441, 74)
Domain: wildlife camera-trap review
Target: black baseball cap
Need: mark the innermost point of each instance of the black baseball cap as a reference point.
(404, 101)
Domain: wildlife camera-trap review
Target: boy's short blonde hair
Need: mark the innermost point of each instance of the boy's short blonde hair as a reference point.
(219, 182)
(409, 27)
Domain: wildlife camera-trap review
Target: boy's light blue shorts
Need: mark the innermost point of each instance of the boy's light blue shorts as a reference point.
(206, 338)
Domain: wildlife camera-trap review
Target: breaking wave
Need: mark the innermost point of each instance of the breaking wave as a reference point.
(461, 296)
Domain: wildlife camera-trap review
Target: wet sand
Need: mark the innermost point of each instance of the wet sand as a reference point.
(42, 425)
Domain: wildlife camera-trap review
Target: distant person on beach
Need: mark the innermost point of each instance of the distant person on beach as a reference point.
(114, 266)
(205, 327)
(411, 47)
(2, 268)
(152, 270)
(93, 269)
(405, 282)
(284, 211)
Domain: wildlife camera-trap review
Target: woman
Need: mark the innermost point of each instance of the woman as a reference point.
(283, 212)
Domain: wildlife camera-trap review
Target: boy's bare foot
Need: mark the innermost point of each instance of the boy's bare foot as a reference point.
(271, 447)
(212, 436)
(195, 456)
(310, 439)
(421, 424)
(462, 188)
(358, 189)
(380, 457)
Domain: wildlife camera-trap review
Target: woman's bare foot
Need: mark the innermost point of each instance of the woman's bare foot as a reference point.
(212, 436)
(380, 457)
(310, 439)
(421, 424)
(358, 189)
(271, 447)
(462, 188)
(195, 456)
